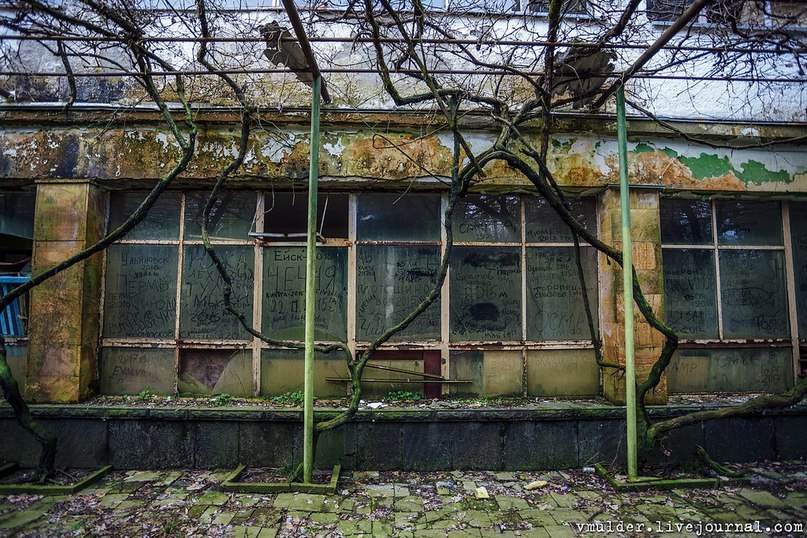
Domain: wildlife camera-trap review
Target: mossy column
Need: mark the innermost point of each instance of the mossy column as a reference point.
(64, 310)
(646, 236)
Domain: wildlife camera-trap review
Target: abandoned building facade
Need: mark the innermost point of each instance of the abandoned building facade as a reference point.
(719, 223)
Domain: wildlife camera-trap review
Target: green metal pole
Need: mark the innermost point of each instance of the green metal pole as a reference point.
(310, 289)
(627, 283)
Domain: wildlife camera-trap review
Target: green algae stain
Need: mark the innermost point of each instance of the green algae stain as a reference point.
(643, 148)
(560, 144)
(755, 172)
(707, 165)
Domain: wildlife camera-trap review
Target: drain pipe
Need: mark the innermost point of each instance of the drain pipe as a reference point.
(627, 284)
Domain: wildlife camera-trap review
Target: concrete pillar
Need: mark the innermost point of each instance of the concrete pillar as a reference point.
(646, 237)
(64, 311)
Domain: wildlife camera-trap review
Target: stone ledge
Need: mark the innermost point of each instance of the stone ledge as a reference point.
(560, 411)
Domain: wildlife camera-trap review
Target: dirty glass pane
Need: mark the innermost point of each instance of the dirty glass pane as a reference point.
(161, 222)
(215, 371)
(398, 217)
(555, 307)
(16, 215)
(140, 293)
(748, 223)
(485, 293)
(391, 282)
(284, 293)
(686, 222)
(562, 373)
(282, 372)
(15, 357)
(202, 312)
(287, 213)
(753, 294)
(487, 218)
(798, 231)
(545, 226)
(232, 216)
(731, 370)
(690, 292)
(128, 370)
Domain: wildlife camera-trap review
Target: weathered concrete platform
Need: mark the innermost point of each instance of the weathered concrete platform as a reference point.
(557, 436)
(405, 504)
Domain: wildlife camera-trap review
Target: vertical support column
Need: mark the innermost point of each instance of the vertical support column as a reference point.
(311, 288)
(65, 310)
(646, 232)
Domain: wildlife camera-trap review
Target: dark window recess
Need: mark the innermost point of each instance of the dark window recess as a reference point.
(16, 231)
(542, 6)
(16, 246)
(286, 216)
(719, 12)
(484, 6)
(398, 217)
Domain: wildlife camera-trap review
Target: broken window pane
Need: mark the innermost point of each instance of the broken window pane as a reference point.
(798, 231)
(555, 307)
(753, 294)
(748, 223)
(391, 282)
(203, 313)
(287, 214)
(690, 292)
(686, 222)
(485, 293)
(487, 218)
(140, 298)
(215, 371)
(161, 222)
(284, 293)
(232, 216)
(545, 226)
(398, 217)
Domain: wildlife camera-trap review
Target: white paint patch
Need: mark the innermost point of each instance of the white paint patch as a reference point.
(336, 149)
(10, 152)
(162, 138)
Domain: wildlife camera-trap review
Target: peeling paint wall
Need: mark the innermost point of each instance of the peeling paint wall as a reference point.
(351, 155)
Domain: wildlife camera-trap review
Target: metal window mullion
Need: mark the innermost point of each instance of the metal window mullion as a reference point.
(718, 286)
(257, 297)
(790, 283)
(751, 247)
(352, 274)
(445, 307)
(523, 215)
(101, 314)
(180, 257)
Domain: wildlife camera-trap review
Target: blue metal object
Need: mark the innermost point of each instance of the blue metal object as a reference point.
(10, 318)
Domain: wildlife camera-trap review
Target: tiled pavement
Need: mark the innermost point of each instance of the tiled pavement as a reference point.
(189, 503)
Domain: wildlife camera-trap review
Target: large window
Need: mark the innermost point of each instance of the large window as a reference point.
(513, 283)
(726, 267)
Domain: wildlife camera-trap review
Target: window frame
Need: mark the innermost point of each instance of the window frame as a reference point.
(443, 343)
(792, 341)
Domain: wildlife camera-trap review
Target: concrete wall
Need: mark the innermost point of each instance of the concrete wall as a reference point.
(550, 438)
